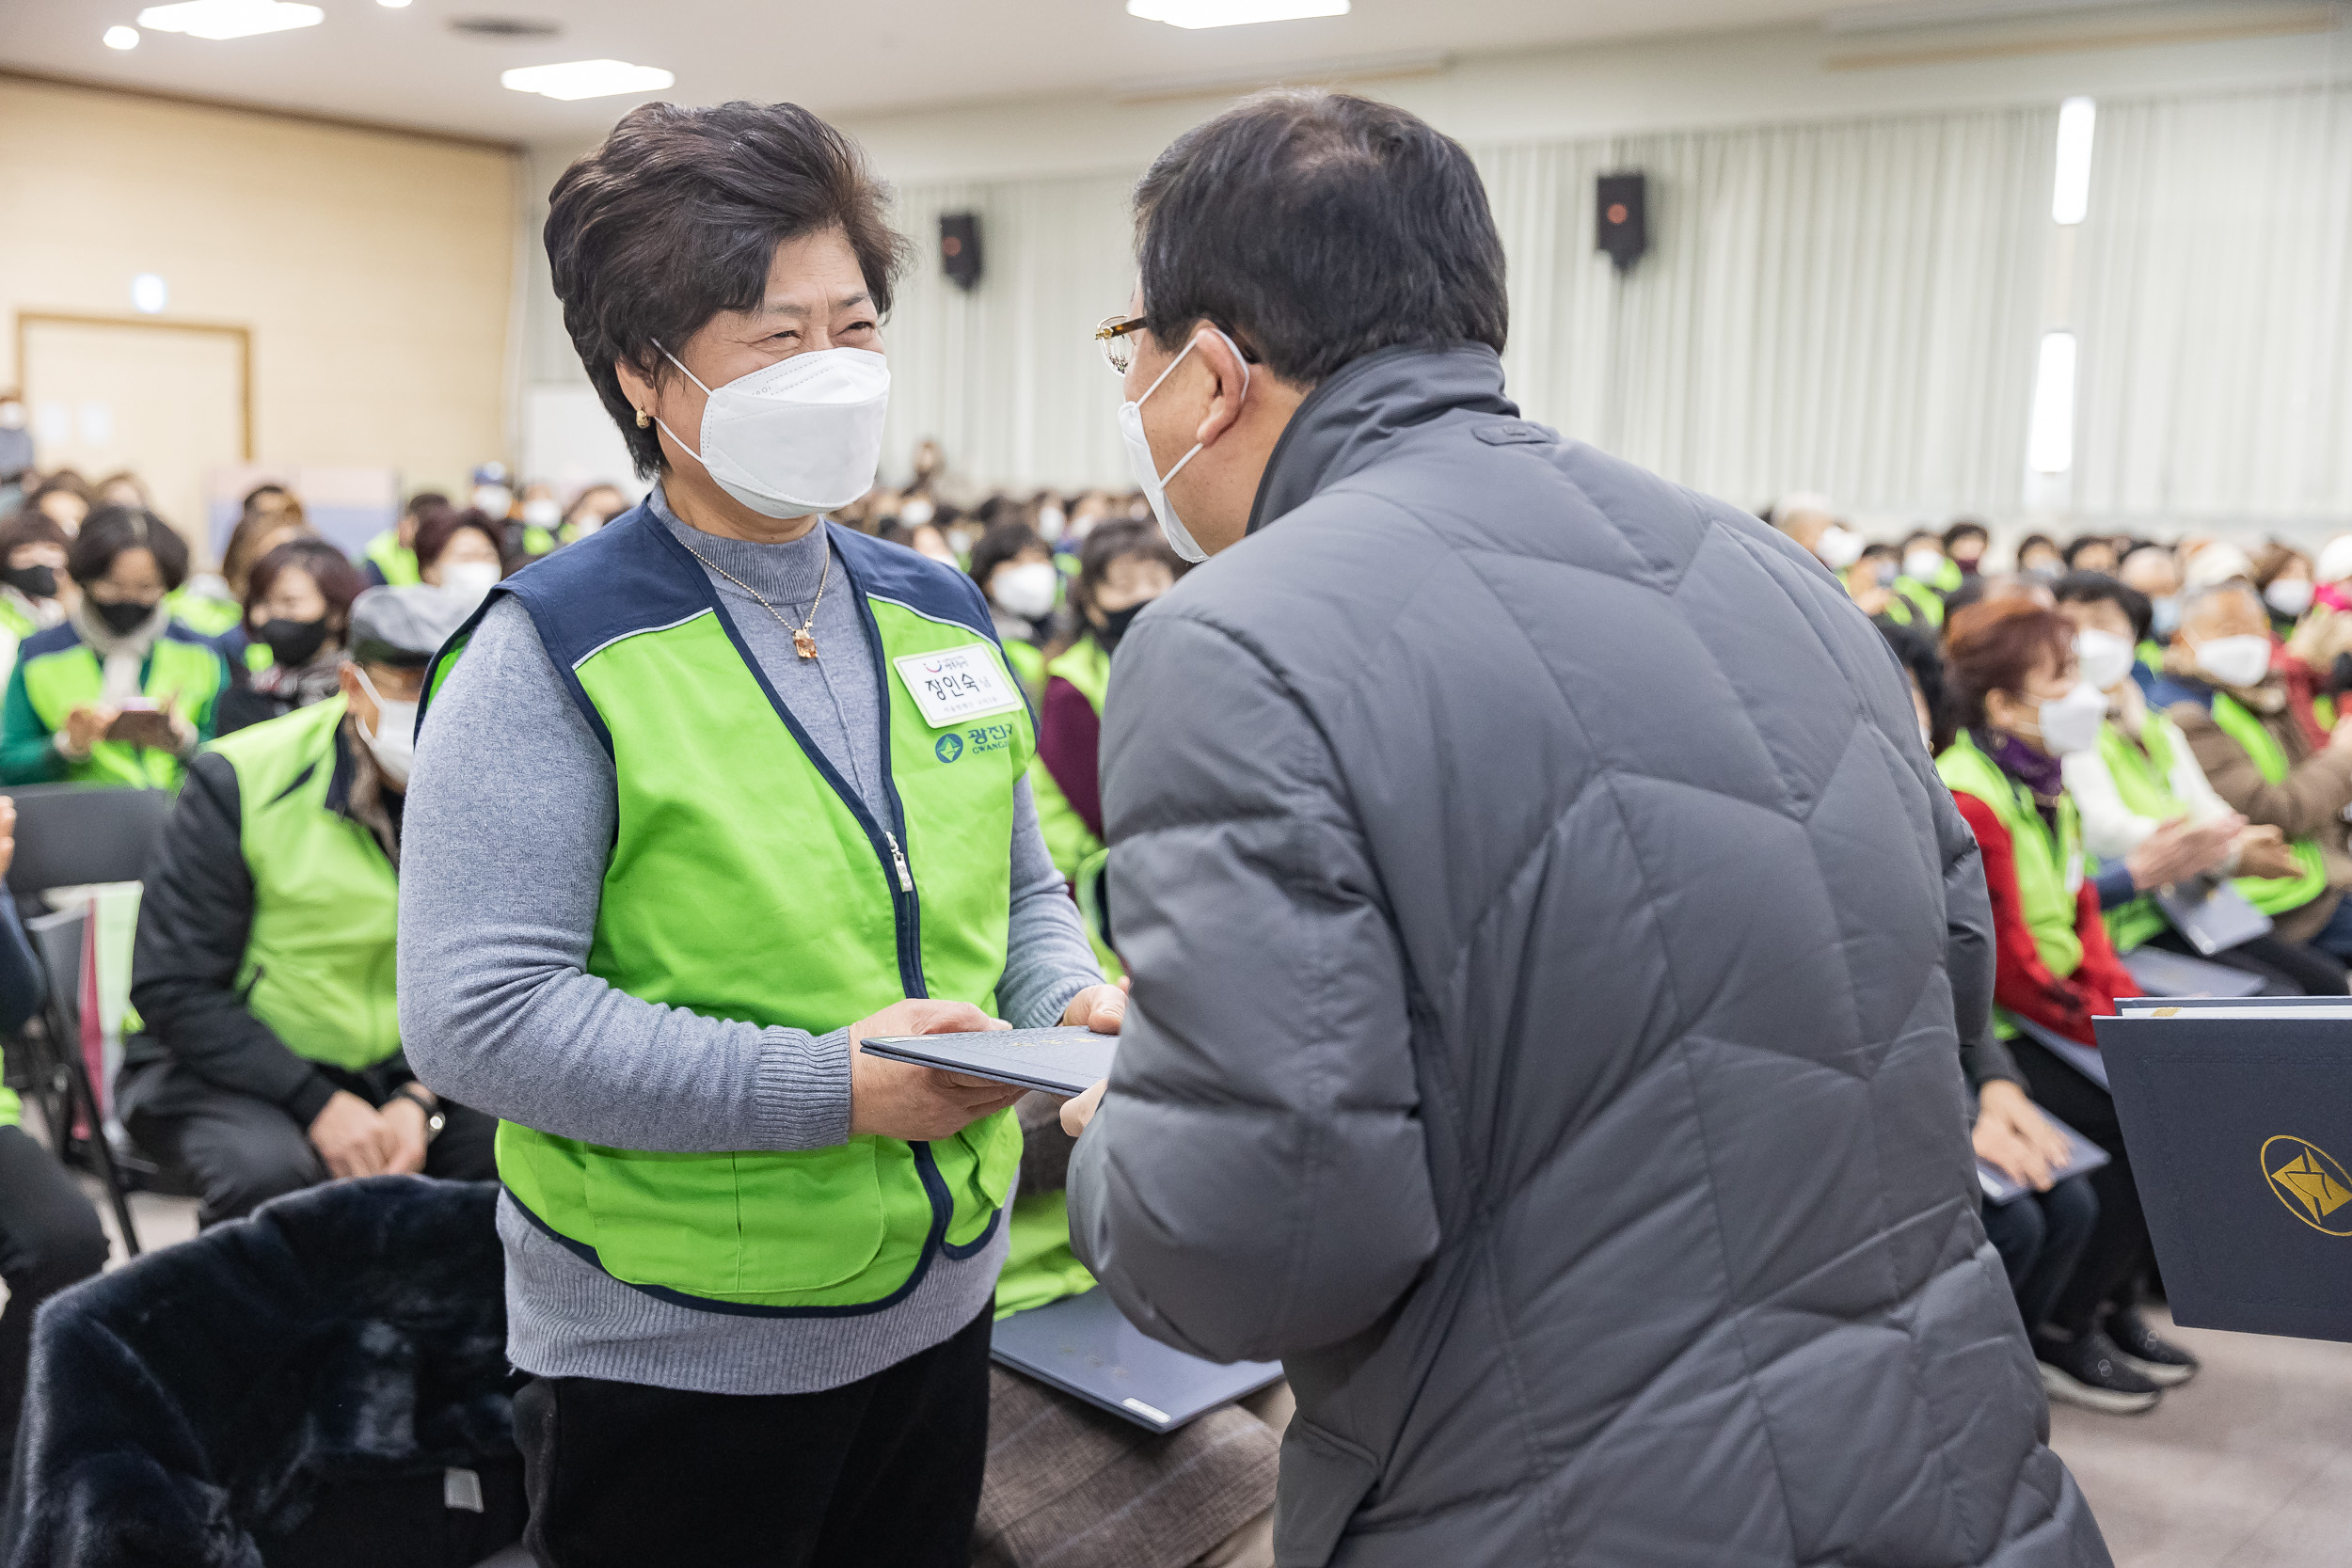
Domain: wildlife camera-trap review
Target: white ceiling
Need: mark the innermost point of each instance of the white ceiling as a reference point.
(405, 67)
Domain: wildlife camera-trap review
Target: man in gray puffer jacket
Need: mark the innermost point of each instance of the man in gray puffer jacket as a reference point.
(1538, 902)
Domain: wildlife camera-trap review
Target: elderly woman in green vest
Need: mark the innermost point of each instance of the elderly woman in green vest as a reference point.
(32, 576)
(263, 967)
(2265, 755)
(702, 800)
(2146, 808)
(120, 692)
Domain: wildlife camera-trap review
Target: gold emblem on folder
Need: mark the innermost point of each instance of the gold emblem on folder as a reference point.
(2313, 1187)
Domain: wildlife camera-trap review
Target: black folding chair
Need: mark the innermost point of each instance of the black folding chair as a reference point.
(58, 938)
(69, 834)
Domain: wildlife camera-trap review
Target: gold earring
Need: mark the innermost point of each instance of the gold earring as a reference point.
(643, 419)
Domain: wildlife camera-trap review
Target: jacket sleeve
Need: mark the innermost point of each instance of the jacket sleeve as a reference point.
(2022, 982)
(195, 916)
(28, 755)
(1256, 1182)
(2307, 804)
(1968, 952)
(2111, 830)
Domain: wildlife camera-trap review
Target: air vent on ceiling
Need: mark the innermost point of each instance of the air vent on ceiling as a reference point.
(503, 27)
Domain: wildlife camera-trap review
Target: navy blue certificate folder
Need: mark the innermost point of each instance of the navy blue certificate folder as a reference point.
(2238, 1117)
(1082, 1345)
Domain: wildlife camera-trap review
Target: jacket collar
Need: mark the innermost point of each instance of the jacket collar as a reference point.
(1343, 424)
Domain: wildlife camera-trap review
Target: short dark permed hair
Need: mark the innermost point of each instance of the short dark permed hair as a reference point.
(110, 530)
(676, 217)
(2097, 587)
(1317, 227)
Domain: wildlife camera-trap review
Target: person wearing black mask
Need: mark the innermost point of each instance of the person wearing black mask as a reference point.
(1123, 566)
(32, 572)
(286, 651)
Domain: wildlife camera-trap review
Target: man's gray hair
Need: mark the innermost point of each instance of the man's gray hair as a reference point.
(2196, 598)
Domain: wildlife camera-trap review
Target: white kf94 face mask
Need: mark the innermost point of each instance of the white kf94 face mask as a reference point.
(2241, 661)
(2070, 723)
(1148, 480)
(2106, 658)
(801, 436)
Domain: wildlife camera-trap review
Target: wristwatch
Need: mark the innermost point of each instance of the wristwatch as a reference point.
(435, 1117)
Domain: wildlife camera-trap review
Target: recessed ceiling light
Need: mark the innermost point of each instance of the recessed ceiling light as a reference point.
(393, 5)
(122, 37)
(148, 294)
(1232, 13)
(228, 19)
(586, 79)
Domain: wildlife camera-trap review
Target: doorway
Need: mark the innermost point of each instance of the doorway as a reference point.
(170, 401)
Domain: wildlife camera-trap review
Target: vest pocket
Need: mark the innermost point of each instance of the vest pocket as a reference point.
(979, 1169)
(730, 1225)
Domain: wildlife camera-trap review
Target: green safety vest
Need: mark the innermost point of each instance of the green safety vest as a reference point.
(538, 541)
(396, 560)
(1929, 602)
(318, 965)
(202, 613)
(1078, 855)
(747, 881)
(61, 678)
(2049, 865)
(1948, 576)
(2143, 779)
(2273, 895)
(1028, 663)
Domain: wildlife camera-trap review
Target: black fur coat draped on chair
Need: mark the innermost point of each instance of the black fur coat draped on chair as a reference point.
(296, 1387)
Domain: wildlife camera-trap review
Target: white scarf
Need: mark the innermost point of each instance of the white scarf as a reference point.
(122, 657)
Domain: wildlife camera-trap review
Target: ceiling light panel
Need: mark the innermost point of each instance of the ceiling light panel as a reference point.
(1232, 13)
(122, 37)
(586, 79)
(228, 19)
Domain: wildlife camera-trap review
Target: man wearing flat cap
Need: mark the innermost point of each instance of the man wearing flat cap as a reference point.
(264, 969)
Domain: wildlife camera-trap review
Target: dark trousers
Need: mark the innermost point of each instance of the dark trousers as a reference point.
(883, 1472)
(2118, 1252)
(49, 1239)
(2287, 968)
(2040, 1238)
(240, 1151)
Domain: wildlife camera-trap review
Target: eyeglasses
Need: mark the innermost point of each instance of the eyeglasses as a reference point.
(1118, 347)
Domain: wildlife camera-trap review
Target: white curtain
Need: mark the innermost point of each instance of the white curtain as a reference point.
(1847, 308)
(2215, 305)
(1008, 377)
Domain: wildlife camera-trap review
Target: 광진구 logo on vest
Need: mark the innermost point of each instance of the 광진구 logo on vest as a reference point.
(2313, 1187)
(949, 747)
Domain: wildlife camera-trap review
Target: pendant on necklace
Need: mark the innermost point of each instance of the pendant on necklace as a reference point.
(803, 645)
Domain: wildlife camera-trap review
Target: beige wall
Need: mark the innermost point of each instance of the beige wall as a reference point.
(377, 271)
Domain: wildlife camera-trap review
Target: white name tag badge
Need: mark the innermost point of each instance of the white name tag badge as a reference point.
(2074, 873)
(957, 684)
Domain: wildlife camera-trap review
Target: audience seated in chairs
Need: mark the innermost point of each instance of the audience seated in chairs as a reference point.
(1015, 570)
(117, 649)
(288, 651)
(49, 1234)
(2022, 706)
(2143, 801)
(32, 581)
(2264, 753)
(264, 967)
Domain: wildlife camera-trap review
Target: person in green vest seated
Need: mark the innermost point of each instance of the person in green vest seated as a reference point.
(1016, 572)
(2090, 552)
(2150, 571)
(33, 581)
(537, 517)
(49, 1233)
(594, 507)
(1925, 563)
(2146, 808)
(389, 559)
(118, 692)
(264, 969)
(288, 652)
(1876, 583)
(1964, 543)
(2264, 756)
(2023, 707)
(460, 553)
(1123, 565)
(702, 800)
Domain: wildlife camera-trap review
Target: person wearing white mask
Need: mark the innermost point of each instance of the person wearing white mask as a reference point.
(2285, 577)
(2151, 570)
(1808, 519)
(2264, 753)
(264, 965)
(459, 552)
(701, 801)
(2149, 817)
(2024, 707)
(1016, 571)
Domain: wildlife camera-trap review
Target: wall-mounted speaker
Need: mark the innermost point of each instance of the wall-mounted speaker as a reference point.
(1621, 217)
(959, 247)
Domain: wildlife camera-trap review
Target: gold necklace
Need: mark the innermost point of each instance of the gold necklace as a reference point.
(803, 642)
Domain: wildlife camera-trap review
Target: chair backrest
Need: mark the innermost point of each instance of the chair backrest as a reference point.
(68, 834)
(57, 941)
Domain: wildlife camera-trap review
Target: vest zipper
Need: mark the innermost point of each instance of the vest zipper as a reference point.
(898, 859)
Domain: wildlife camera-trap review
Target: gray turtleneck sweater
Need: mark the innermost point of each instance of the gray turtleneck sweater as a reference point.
(510, 814)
